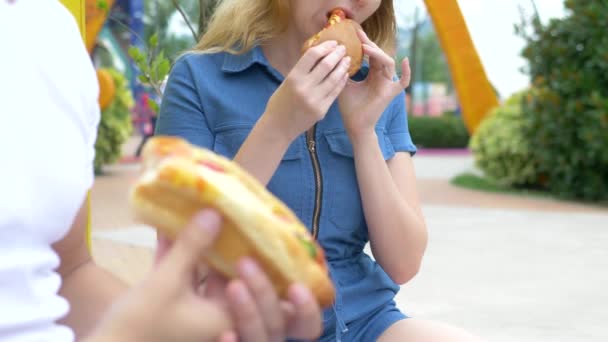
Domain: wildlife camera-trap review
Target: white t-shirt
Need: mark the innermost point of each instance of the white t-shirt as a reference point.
(48, 124)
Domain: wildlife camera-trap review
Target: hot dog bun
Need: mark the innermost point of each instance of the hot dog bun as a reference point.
(344, 31)
(180, 179)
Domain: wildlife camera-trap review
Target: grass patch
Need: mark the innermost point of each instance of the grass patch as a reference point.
(480, 183)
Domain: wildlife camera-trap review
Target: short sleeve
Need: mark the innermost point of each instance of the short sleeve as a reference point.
(181, 110)
(397, 130)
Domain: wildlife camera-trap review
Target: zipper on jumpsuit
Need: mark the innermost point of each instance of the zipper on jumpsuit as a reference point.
(312, 150)
(311, 143)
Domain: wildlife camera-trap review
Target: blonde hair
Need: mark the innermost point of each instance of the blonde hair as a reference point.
(238, 25)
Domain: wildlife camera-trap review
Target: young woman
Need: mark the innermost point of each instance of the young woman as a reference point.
(337, 151)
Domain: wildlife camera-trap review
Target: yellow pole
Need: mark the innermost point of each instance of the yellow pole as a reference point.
(475, 93)
(96, 16)
(77, 8)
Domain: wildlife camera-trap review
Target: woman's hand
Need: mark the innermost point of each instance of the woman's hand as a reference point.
(362, 103)
(166, 305)
(309, 89)
(259, 315)
(256, 312)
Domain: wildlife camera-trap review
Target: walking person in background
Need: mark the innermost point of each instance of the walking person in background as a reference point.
(148, 126)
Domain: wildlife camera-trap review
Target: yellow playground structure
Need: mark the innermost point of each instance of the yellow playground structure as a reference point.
(475, 93)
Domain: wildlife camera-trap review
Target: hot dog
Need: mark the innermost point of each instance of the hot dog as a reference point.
(179, 179)
(344, 31)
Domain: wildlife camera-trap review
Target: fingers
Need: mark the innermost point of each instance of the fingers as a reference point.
(406, 73)
(184, 257)
(215, 286)
(336, 78)
(312, 56)
(264, 294)
(288, 309)
(380, 60)
(200, 279)
(327, 65)
(305, 322)
(365, 39)
(247, 317)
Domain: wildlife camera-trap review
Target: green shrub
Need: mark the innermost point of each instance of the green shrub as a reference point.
(500, 147)
(115, 125)
(568, 108)
(446, 131)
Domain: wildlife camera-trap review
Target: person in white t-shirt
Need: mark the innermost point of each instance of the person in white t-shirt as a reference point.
(50, 288)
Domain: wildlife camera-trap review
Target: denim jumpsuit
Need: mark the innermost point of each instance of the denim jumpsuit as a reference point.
(214, 100)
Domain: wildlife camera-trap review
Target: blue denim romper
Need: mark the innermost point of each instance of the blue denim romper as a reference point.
(214, 100)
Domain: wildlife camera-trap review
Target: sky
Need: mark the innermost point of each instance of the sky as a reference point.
(490, 23)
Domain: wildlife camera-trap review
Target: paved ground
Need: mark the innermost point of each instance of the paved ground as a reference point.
(507, 268)
(514, 275)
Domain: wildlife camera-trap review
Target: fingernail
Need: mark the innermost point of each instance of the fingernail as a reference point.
(249, 267)
(208, 220)
(342, 48)
(347, 60)
(300, 294)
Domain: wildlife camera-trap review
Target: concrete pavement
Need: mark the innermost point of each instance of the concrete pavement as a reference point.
(511, 275)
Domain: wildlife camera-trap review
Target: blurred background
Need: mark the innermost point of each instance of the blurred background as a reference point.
(508, 106)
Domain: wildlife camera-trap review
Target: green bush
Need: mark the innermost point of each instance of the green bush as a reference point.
(568, 107)
(500, 147)
(446, 131)
(115, 125)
